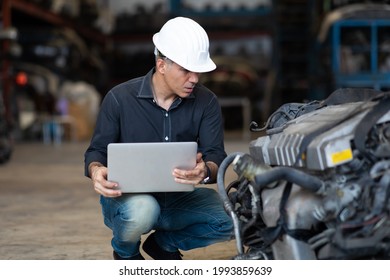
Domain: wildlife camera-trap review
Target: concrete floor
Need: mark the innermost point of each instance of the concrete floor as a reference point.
(49, 210)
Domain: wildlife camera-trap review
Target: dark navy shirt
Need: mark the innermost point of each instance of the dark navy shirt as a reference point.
(129, 113)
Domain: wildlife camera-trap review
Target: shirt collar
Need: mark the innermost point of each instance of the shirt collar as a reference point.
(146, 90)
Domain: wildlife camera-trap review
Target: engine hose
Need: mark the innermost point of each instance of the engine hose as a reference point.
(226, 201)
(289, 174)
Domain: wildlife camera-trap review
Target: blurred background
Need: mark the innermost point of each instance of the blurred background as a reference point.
(60, 57)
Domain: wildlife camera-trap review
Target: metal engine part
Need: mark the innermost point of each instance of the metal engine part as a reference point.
(316, 186)
(330, 148)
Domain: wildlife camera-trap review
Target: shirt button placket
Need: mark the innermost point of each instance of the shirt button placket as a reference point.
(166, 121)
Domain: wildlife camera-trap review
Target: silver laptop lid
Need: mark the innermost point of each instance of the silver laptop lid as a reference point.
(147, 167)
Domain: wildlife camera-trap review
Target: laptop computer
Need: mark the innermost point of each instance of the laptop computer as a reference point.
(147, 167)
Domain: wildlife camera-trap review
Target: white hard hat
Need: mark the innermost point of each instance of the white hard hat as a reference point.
(186, 43)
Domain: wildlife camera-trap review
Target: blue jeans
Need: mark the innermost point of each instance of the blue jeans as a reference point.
(181, 220)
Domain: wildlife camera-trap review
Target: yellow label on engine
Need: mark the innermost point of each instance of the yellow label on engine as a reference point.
(342, 156)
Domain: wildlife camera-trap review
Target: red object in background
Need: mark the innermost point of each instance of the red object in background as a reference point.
(21, 79)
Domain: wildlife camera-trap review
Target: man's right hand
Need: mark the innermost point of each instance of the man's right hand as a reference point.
(98, 174)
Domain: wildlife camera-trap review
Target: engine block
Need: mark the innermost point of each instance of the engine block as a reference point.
(317, 184)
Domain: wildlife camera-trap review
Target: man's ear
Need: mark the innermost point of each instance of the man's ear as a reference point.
(161, 65)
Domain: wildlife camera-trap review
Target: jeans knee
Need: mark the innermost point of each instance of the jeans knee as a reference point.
(223, 226)
(136, 216)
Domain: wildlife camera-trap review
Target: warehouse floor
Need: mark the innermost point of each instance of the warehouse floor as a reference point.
(49, 210)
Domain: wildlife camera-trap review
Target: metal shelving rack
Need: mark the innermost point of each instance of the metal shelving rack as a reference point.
(177, 7)
(371, 76)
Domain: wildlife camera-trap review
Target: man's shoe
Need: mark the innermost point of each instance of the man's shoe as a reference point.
(136, 257)
(151, 247)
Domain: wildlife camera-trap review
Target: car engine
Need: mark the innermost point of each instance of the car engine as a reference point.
(316, 184)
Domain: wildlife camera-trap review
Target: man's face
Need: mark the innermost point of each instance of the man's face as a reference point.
(179, 80)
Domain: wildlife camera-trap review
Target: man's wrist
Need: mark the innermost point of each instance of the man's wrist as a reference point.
(208, 175)
(92, 165)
